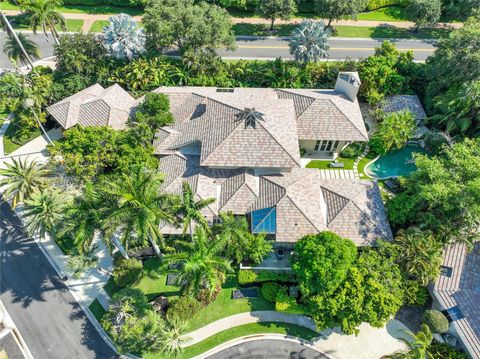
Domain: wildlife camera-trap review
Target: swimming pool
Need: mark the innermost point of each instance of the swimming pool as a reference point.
(394, 164)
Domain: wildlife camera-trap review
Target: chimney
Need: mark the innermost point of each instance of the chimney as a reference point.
(348, 83)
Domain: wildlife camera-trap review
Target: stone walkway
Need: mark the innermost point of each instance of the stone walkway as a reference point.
(89, 19)
(339, 174)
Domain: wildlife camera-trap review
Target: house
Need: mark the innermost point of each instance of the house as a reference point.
(410, 103)
(457, 293)
(94, 106)
(243, 147)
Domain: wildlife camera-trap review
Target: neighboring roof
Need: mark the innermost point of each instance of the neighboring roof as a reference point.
(462, 289)
(405, 102)
(94, 106)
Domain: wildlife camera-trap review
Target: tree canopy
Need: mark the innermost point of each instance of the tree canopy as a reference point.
(339, 9)
(393, 132)
(275, 9)
(424, 12)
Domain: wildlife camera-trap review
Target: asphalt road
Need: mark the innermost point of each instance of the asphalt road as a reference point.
(51, 322)
(271, 48)
(268, 348)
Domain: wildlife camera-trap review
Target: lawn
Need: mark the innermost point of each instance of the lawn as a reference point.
(225, 306)
(72, 25)
(240, 331)
(97, 310)
(84, 9)
(390, 13)
(325, 165)
(9, 146)
(363, 162)
(98, 25)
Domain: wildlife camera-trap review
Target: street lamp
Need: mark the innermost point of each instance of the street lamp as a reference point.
(29, 103)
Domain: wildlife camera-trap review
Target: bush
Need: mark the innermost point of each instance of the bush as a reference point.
(127, 272)
(247, 277)
(183, 309)
(376, 4)
(269, 291)
(445, 351)
(436, 321)
(414, 294)
(353, 150)
(286, 303)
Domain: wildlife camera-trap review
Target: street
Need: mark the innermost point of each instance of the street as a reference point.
(51, 322)
(271, 48)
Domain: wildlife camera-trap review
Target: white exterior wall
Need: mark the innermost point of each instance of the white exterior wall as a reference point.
(309, 146)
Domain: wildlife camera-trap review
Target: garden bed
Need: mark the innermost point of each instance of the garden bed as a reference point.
(9, 145)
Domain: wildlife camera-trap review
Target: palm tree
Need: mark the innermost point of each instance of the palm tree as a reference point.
(123, 38)
(134, 207)
(420, 254)
(190, 210)
(200, 264)
(308, 42)
(13, 50)
(233, 231)
(43, 15)
(172, 338)
(418, 344)
(44, 211)
(22, 179)
(12, 33)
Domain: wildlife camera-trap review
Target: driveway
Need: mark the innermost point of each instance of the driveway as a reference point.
(48, 317)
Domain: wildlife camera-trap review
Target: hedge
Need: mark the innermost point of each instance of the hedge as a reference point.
(248, 277)
(376, 4)
(123, 3)
(436, 321)
(270, 290)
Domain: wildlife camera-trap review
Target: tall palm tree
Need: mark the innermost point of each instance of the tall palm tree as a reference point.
(173, 338)
(44, 211)
(12, 33)
(420, 254)
(190, 210)
(43, 15)
(135, 207)
(308, 42)
(233, 231)
(123, 38)
(13, 50)
(200, 264)
(22, 179)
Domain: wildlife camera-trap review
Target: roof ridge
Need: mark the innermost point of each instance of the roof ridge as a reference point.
(304, 215)
(276, 140)
(236, 190)
(348, 119)
(339, 195)
(362, 211)
(297, 94)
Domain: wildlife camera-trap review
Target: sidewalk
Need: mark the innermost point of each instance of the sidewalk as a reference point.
(89, 19)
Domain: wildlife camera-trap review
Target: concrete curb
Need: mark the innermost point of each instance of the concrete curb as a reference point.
(253, 337)
(392, 39)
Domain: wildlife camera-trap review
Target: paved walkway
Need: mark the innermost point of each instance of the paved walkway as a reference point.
(89, 19)
(3, 129)
(339, 174)
(369, 343)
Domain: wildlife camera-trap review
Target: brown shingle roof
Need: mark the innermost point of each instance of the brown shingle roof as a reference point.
(404, 102)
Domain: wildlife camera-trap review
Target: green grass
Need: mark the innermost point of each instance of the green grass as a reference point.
(154, 281)
(97, 310)
(9, 145)
(363, 162)
(240, 331)
(110, 287)
(390, 13)
(84, 9)
(72, 25)
(225, 306)
(325, 165)
(98, 25)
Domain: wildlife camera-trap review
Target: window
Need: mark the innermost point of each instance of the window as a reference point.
(317, 145)
(446, 271)
(335, 146)
(225, 89)
(264, 220)
(453, 314)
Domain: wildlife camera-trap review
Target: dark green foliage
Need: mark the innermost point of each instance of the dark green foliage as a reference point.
(247, 277)
(339, 9)
(183, 309)
(127, 272)
(275, 9)
(321, 262)
(414, 294)
(286, 303)
(442, 195)
(424, 12)
(353, 150)
(459, 9)
(393, 133)
(436, 321)
(376, 4)
(269, 291)
(445, 351)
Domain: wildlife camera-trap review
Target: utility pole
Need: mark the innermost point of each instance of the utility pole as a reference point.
(12, 33)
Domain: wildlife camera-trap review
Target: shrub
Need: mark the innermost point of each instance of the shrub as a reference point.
(127, 272)
(377, 4)
(436, 321)
(414, 294)
(269, 291)
(247, 277)
(445, 351)
(287, 303)
(353, 150)
(183, 309)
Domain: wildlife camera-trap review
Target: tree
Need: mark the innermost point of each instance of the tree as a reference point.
(123, 39)
(12, 49)
(419, 254)
(22, 179)
(200, 264)
(190, 210)
(442, 194)
(394, 132)
(44, 211)
(134, 207)
(424, 12)
(43, 15)
(339, 9)
(241, 245)
(186, 25)
(321, 262)
(308, 42)
(274, 9)
(173, 338)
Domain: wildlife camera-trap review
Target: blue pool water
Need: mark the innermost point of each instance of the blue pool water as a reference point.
(394, 164)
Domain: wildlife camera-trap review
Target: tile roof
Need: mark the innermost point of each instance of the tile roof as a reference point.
(462, 289)
(94, 106)
(404, 102)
